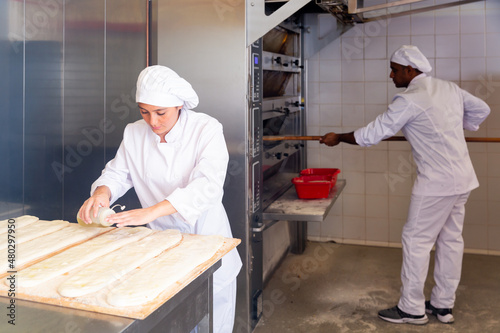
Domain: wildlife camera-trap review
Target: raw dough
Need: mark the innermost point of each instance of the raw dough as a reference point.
(32, 231)
(165, 270)
(114, 265)
(21, 221)
(79, 255)
(45, 245)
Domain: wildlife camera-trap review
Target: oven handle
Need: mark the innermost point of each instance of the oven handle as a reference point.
(259, 229)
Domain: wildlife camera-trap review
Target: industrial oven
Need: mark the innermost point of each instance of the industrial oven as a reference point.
(248, 68)
(276, 107)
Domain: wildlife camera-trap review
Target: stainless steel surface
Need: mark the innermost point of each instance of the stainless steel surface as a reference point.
(191, 306)
(290, 208)
(69, 70)
(11, 107)
(84, 90)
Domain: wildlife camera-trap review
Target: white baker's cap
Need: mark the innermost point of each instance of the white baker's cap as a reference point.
(409, 55)
(160, 86)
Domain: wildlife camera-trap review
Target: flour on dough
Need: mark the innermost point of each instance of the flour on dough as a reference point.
(32, 231)
(47, 244)
(79, 255)
(114, 265)
(165, 271)
(20, 222)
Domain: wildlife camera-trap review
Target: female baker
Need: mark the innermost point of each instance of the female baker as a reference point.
(176, 159)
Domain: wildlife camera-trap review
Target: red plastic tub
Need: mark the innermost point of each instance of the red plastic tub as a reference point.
(322, 171)
(313, 187)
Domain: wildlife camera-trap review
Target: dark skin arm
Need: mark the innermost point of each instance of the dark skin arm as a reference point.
(333, 139)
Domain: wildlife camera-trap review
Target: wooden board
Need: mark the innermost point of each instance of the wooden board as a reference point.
(96, 302)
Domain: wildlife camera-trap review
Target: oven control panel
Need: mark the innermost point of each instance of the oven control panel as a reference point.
(255, 152)
(256, 131)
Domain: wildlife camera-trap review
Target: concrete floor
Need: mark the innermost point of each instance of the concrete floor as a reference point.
(340, 288)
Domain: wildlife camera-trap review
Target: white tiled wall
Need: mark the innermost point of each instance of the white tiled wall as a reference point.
(349, 85)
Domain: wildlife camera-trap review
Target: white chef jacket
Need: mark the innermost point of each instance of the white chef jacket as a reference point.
(188, 171)
(432, 114)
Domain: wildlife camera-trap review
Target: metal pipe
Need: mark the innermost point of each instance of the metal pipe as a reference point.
(148, 32)
(394, 138)
(414, 11)
(279, 138)
(468, 139)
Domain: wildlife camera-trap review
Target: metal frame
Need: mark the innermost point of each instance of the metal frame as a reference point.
(258, 23)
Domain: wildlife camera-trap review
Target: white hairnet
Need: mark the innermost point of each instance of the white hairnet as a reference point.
(409, 55)
(160, 86)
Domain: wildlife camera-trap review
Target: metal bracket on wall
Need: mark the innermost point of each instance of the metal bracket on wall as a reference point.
(258, 23)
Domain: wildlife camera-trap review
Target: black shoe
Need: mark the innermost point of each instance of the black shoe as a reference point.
(443, 315)
(395, 315)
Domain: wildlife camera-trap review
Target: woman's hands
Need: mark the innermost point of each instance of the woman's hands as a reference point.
(100, 198)
(141, 216)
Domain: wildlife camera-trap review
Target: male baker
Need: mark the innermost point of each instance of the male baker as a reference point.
(432, 114)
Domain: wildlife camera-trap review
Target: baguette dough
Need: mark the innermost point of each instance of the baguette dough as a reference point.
(114, 265)
(47, 244)
(151, 280)
(79, 255)
(21, 221)
(32, 231)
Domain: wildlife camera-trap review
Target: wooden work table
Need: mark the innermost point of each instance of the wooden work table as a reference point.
(191, 306)
(179, 308)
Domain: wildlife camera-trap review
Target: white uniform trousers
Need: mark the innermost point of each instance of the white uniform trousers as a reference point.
(432, 221)
(225, 308)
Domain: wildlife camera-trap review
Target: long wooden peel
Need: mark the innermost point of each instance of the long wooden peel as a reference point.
(394, 138)
(279, 138)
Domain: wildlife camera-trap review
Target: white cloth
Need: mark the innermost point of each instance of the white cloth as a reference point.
(432, 220)
(432, 114)
(160, 86)
(225, 309)
(188, 171)
(410, 55)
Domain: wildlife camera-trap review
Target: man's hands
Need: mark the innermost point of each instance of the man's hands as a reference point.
(332, 139)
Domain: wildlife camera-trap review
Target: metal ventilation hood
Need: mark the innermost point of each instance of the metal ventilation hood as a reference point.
(263, 15)
(353, 11)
